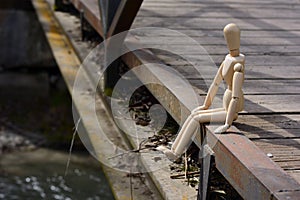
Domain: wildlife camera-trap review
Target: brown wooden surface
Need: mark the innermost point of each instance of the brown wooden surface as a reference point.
(271, 42)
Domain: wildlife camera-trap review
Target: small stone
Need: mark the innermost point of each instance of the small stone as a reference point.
(270, 155)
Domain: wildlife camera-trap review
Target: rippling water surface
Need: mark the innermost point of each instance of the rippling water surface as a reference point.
(39, 174)
(32, 104)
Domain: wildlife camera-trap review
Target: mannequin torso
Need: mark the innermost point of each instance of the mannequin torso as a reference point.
(227, 75)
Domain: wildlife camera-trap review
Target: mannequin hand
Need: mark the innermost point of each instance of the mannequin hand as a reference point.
(222, 129)
(203, 107)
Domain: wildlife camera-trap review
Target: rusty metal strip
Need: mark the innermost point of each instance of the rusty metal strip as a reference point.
(248, 169)
(91, 12)
(124, 16)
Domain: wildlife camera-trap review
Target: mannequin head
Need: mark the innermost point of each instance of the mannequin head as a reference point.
(232, 36)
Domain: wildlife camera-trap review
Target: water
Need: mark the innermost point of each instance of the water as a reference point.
(40, 175)
(35, 106)
(32, 104)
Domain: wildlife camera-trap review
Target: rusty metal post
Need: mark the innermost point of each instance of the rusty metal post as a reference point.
(205, 159)
(116, 16)
(107, 10)
(103, 10)
(206, 165)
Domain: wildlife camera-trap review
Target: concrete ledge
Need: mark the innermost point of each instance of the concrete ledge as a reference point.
(124, 187)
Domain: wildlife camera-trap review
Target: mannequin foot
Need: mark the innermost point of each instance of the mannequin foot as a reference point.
(168, 152)
(222, 129)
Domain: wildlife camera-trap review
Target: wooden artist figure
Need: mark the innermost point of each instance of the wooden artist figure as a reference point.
(232, 72)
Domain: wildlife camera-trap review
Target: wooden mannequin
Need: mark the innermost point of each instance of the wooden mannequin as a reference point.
(232, 72)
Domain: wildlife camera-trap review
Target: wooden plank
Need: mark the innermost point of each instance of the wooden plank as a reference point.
(261, 87)
(240, 2)
(219, 33)
(269, 126)
(261, 71)
(209, 40)
(280, 73)
(285, 152)
(288, 194)
(252, 72)
(221, 50)
(295, 174)
(265, 60)
(289, 165)
(221, 4)
(226, 12)
(272, 103)
(210, 24)
(281, 87)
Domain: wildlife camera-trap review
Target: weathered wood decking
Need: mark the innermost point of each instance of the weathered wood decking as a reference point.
(271, 42)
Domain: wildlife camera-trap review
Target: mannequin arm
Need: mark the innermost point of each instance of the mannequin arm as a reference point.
(213, 89)
(237, 83)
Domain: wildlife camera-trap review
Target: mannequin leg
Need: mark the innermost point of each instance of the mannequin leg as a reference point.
(192, 116)
(185, 135)
(198, 109)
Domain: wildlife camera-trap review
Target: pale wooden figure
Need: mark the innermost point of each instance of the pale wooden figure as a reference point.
(232, 72)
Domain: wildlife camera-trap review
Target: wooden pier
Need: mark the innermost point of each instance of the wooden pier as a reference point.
(271, 42)
(260, 156)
